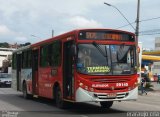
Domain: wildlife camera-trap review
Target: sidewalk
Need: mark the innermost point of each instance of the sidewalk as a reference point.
(153, 91)
(156, 87)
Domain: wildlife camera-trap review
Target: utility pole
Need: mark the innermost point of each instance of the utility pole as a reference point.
(52, 33)
(137, 20)
(137, 36)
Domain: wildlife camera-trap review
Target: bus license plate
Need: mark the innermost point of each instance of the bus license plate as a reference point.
(112, 95)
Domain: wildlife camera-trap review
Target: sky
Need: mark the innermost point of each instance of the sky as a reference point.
(32, 21)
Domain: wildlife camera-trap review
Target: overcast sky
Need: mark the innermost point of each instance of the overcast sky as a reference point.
(19, 19)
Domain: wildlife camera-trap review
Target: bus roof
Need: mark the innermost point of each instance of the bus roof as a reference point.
(73, 32)
(54, 38)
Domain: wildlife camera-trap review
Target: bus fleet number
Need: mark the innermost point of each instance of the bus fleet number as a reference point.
(121, 84)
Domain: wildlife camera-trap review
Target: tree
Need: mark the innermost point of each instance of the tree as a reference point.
(4, 45)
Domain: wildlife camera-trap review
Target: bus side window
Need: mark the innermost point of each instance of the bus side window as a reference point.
(50, 55)
(56, 53)
(29, 59)
(24, 59)
(43, 56)
(129, 57)
(132, 57)
(14, 61)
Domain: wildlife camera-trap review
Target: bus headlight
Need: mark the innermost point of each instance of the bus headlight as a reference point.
(136, 84)
(129, 88)
(86, 87)
(80, 84)
(91, 89)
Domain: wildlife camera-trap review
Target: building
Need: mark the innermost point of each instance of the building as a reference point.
(5, 56)
(156, 65)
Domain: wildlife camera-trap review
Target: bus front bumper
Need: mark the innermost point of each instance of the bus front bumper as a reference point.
(87, 96)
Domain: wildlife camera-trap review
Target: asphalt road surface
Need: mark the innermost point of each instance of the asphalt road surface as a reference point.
(12, 104)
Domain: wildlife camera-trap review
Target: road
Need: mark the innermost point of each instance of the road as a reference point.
(12, 103)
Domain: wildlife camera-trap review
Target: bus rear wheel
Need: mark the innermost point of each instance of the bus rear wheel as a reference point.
(25, 94)
(58, 98)
(106, 104)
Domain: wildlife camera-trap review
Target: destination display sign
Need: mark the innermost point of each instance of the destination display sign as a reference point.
(105, 35)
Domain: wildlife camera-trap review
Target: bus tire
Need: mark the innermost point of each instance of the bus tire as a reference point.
(106, 104)
(58, 99)
(25, 94)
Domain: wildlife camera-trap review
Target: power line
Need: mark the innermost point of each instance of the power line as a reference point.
(150, 32)
(139, 21)
(153, 30)
(149, 19)
(146, 32)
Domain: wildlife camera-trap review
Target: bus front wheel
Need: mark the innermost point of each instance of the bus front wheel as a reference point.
(59, 99)
(106, 104)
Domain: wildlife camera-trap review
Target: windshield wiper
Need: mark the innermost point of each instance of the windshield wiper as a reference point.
(100, 50)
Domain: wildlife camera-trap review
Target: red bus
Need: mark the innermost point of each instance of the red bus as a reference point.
(85, 65)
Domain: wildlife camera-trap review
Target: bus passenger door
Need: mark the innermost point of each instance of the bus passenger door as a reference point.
(68, 76)
(35, 72)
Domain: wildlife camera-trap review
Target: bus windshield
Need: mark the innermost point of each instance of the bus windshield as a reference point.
(100, 59)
